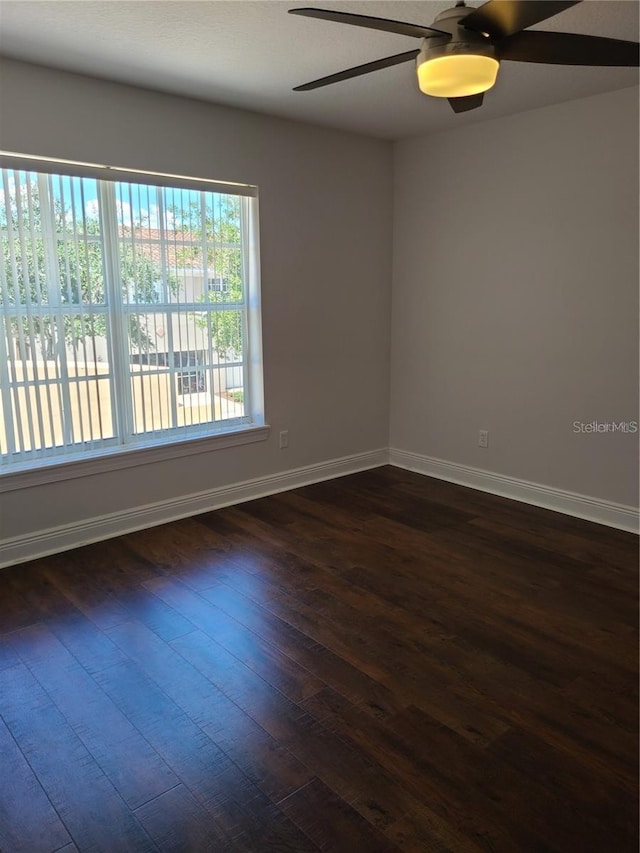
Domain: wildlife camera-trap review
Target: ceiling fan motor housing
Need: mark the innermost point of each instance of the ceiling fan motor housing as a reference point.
(461, 43)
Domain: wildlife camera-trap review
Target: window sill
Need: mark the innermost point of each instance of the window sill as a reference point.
(129, 458)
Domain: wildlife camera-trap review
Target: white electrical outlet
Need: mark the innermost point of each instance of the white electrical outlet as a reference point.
(483, 438)
(284, 438)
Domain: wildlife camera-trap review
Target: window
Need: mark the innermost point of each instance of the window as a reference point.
(217, 284)
(129, 313)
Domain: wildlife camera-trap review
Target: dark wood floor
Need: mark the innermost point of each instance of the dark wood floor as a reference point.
(381, 662)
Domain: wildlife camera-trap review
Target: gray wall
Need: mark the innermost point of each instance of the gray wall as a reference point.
(515, 284)
(326, 207)
(515, 295)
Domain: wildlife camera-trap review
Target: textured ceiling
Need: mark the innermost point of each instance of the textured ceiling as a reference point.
(250, 54)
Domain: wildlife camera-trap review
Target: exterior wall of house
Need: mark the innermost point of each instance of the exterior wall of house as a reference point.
(515, 296)
(325, 220)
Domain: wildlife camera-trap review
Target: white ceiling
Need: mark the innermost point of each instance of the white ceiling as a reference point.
(250, 54)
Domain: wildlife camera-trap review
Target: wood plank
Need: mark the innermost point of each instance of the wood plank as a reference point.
(265, 761)
(41, 598)
(238, 811)
(177, 823)
(8, 654)
(193, 757)
(181, 697)
(424, 831)
(187, 550)
(83, 588)
(608, 812)
(360, 782)
(133, 767)
(265, 660)
(16, 613)
(252, 822)
(330, 823)
(87, 803)
(333, 670)
(87, 643)
(28, 821)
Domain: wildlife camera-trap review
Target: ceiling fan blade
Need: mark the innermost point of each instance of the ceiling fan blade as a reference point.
(502, 18)
(384, 24)
(468, 102)
(387, 62)
(568, 49)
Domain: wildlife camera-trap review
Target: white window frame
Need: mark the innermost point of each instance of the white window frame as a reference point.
(216, 284)
(213, 435)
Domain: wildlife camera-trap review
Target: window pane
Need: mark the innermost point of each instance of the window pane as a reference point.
(180, 252)
(23, 250)
(59, 394)
(184, 364)
(55, 377)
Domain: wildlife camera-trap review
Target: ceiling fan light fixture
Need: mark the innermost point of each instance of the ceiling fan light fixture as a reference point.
(458, 59)
(456, 75)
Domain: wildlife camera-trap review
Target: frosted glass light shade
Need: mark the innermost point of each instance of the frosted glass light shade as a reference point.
(457, 75)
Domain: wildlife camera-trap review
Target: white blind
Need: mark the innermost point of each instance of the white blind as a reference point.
(110, 334)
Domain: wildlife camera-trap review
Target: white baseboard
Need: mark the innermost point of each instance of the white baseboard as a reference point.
(603, 512)
(54, 540)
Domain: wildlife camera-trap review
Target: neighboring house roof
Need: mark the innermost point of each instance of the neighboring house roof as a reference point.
(179, 250)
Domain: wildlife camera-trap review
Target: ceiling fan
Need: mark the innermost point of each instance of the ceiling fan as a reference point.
(461, 54)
